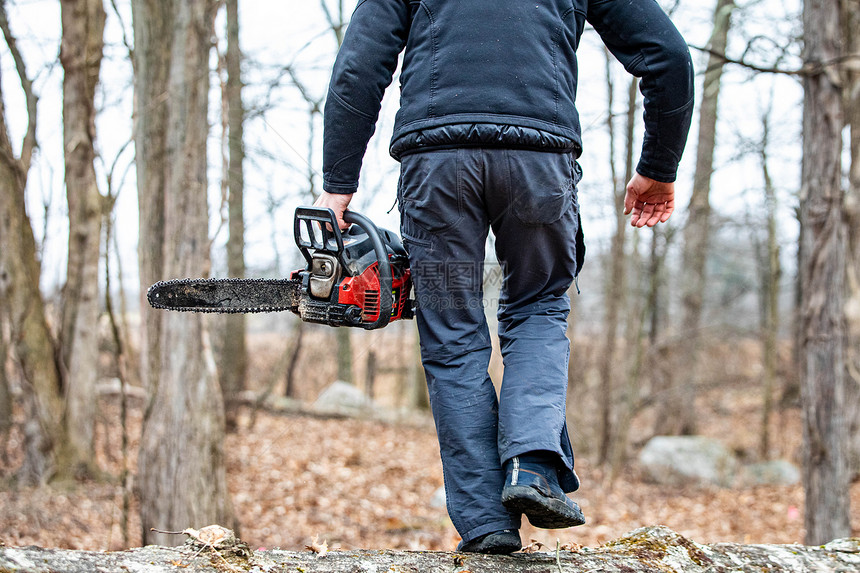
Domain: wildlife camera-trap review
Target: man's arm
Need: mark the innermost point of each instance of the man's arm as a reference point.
(363, 69)
(644, 40)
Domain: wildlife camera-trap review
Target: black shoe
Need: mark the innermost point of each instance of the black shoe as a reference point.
(497, 543)
(532, 488)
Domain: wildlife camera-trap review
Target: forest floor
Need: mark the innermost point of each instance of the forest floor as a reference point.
(367, 484)
(364, 483)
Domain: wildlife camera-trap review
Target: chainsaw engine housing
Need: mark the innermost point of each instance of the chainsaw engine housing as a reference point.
(359, 277)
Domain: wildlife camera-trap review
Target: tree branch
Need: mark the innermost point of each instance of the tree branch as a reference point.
(29, 143)
(334, 26)
(125, 40)
(845, 62)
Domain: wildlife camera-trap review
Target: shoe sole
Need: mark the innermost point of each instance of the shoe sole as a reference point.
(543, 512)
(496, 547)
(503, 549)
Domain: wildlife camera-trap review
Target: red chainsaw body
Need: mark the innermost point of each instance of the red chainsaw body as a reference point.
(363, 290)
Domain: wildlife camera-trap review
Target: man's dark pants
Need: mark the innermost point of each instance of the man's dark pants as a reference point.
(449, 199)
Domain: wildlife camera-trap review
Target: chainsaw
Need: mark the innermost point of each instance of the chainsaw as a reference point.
(359, 277)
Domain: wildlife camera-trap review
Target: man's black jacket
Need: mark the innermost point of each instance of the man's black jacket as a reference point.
(498, 73)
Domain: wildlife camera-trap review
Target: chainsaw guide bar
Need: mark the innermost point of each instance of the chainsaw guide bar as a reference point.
(226, 295)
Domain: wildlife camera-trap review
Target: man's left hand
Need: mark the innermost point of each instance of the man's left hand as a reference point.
(649, 201)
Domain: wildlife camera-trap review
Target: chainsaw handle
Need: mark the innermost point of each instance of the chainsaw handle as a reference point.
(326, 237)
(386, 297)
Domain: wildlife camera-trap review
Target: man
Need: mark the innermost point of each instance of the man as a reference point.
(487, 135)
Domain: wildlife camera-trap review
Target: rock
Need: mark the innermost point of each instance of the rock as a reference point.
(113, 387)
(340, 395)
(775, 472)
(439, 500)
(688, 460)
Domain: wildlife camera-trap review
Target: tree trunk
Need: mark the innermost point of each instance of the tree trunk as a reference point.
(851, 22)
(234, 358)
(46, 444)
(182, 478)
(293, 362)
(121, 356)
(344, 354)
(5, 390)
(771, 272)
(770, 328)
(420, 393)
(644, 550)
(81, 55)
(826, 484)
(337, 23)
(635, 311)
(660, 343)
(790, 391)
(370, 374)
(32, 341)
(153, 23)
(679, 416)
(614, 288)
(655, 302)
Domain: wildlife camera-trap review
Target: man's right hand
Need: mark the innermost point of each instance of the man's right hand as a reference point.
(337, 203)
(649, 201)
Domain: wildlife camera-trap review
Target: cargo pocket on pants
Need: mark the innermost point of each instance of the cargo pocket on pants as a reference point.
(541, 185)
(429, 193)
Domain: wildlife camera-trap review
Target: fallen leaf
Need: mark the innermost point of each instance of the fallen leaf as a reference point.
(215, 534)
(319, 548)
(533, 547)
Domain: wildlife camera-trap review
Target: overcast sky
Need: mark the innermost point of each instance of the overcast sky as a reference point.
(294, 31)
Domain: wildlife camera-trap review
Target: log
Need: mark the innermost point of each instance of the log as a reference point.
(650, 549)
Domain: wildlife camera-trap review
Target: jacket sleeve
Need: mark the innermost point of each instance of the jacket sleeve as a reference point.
(363, 69)
(641, 36)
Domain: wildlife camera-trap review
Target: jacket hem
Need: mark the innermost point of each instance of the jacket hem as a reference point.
(483, 134)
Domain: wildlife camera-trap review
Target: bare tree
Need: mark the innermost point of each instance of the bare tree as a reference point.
(336, 21)
(126, 362)
(182, 477)
(234, 353)
(615, 287)
(770, 272)
(823, 249)
(81, 55)
(614, 425)
(121, 355)
(292, 361)
(47, 452)
(337, 24)
(6, 401)
(635, 311)
(678, 413)
(851, 26)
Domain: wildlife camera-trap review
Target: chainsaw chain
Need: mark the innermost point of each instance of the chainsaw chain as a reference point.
(219, 310)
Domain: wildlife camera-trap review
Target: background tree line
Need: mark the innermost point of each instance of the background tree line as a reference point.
(656, 302)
